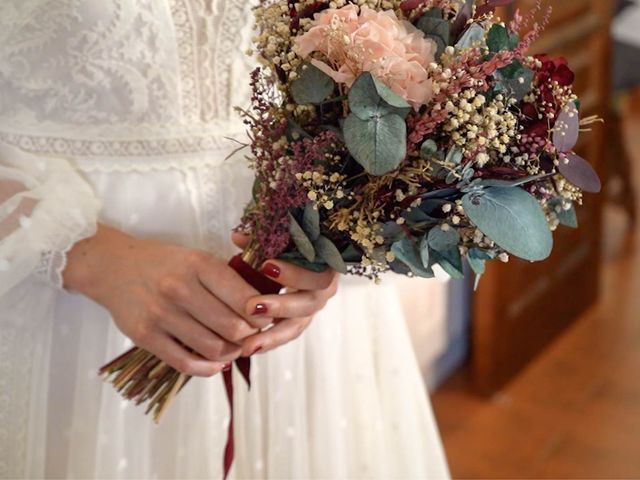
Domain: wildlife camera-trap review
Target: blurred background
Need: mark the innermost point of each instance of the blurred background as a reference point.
(537, 375)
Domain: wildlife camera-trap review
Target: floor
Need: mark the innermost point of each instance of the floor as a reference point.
(575, 411)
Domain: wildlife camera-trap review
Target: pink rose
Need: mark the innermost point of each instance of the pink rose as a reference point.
(355, 40)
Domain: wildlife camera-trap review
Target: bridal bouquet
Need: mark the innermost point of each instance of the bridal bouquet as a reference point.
(400, 136)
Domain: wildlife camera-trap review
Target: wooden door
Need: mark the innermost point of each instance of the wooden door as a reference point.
(521, 307)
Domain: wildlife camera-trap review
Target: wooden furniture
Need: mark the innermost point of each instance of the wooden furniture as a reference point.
(520, 307)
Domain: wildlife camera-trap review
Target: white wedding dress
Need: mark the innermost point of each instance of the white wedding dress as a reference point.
(118, 111)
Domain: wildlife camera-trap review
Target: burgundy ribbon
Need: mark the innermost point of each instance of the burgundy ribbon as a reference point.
(265, 286)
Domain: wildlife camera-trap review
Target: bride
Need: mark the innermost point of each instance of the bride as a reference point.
(116, 206)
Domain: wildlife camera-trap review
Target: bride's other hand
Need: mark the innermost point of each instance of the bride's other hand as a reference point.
(306, 294)
(165, 297)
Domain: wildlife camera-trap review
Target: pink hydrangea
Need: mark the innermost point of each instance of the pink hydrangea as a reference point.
(355, 40)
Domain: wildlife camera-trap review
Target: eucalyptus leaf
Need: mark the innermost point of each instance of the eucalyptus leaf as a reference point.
(378, 144)
(441, 193)
(302, 242)
(454, 155)
(428, 149)
(476, 262)
(391, 232)
(351, 254)
(311, 221)
(433, 206)
(518, 86)
(474, 35)
(437, 29)
(299, 260)
(451, 262)
(568, 218)
(417, 215)
(513, 219)
(443, 240)
(510, 183)
(330, 254)
(312, 86)
(369, 98)
(434, 13)
(498, 38)
(567, 129)
(580, 173)
(405, 251)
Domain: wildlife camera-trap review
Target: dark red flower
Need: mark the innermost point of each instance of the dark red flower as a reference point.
(555, 69)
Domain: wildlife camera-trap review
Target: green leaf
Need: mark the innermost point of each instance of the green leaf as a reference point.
(255, 190)
(511, 183)
(474, 35)
(441, 240)
(330, 254)
(302, 242)
(351, 254)
(451, 262)
(454, 155)
(434, 13)
(417, 215)
(513, 219)
(498, 39)
(370, 98)
(568, 218)
(477, 260)
(428, 149)
(518, 84)
(311, 221)
(436, 29)
(378, 144)
(311, 86)
(406, 252)
(299, 260)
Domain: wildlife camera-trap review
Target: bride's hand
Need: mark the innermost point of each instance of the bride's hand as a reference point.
(307, 293)
(165, 297)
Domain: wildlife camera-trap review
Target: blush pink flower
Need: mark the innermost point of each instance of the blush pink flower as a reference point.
(355, 40)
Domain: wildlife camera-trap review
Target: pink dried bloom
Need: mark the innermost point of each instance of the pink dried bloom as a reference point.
(355, 40)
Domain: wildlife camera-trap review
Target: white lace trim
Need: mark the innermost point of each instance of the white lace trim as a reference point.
(121, 149)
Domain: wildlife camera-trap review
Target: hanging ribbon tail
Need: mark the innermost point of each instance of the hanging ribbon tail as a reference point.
(244, 367)
(265, 286)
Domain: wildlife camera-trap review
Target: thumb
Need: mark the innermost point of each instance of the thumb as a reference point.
(240, 239)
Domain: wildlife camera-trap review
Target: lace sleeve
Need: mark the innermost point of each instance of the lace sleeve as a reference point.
(45, 207)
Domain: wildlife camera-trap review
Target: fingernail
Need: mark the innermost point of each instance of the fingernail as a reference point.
(256, 350)
(261, 309)
(226, 367)
(271, 270)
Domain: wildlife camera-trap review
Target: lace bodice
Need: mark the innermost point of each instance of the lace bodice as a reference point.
(109, 84)
(120, 66)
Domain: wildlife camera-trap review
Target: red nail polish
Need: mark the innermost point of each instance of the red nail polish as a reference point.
(226, 367)
(261, 309)
(256, 350)
(271, 270)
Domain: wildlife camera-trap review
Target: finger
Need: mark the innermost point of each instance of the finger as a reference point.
(218, 317)
(240, 239)
(289, 305)
(290, 275)
(200, 339)
(178, 357)
(228, 286)
(280, 334)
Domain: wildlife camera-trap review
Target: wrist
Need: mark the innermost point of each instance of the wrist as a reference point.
(90, 260)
